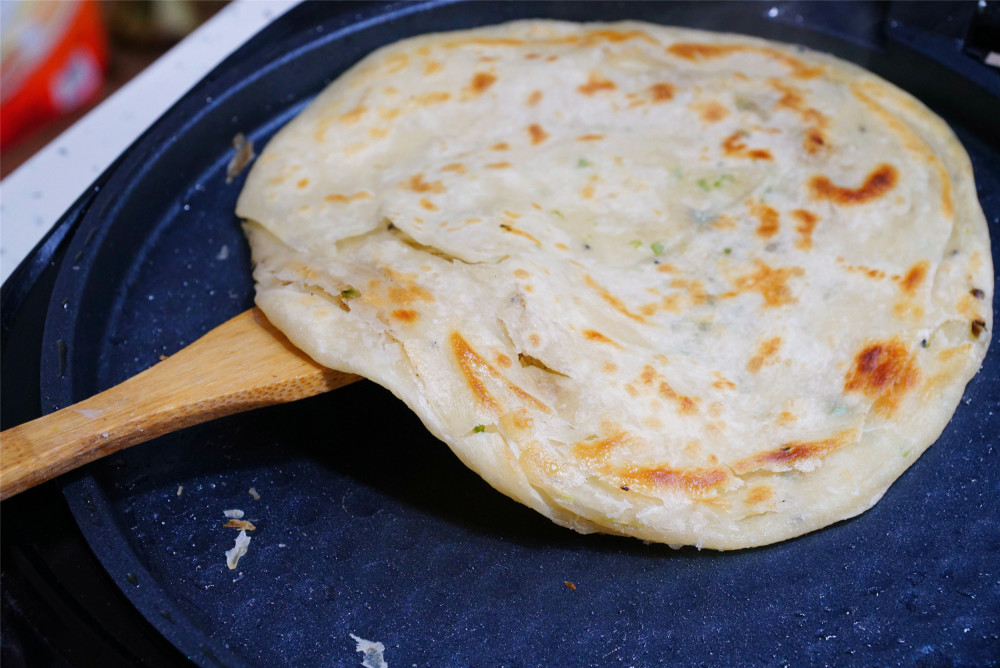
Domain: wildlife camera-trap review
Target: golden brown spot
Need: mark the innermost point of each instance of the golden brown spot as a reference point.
(693, 481)
(772, 284)
(696, 52)
(615, 303)
(596, 450)
(807, 222)
(911, 140)
(914, 277)
(354, 115)
(722, 383)
(503, 360)
(785, 418)
(590, 137)
(768, 220)
(418, 185)
(405, 314)
(617, 36)
(521, 273)
(534, 98)
(610, 367)
(759, 494)
(790, 454)
(427, 204)
(685, 405)
(595, 84)
(396, 63)
(661, 92)
(878, 183)
(593, 335)
(734, 146)
(766, 355)
(497, 165)
(711, 112)
(793, 100)
(695, 288)
(884, 372)
(587, 192)
(535, 340)
(502, 146)
(302, 183)
(408, 293)
(521, 233)
(476, 368)
(388, 114)
(343, 199)
(538, 135)
(814, 141)
(432, 67)
(436, 97)
(480, 82)
(521, 419)
(456, 167)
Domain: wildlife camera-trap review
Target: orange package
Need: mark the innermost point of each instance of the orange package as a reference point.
(52, 62)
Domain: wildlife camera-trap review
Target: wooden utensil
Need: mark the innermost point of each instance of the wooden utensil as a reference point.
(242, 364)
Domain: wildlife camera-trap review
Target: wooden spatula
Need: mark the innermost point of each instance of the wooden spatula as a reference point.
(242, 364)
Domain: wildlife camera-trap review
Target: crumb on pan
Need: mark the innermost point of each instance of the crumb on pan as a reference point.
(254, 494)
(239, 549)
(240, 524)
(234, 514)
(372, 651)
(244, 154)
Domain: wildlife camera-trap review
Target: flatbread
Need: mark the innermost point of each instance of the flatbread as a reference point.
(694, 288)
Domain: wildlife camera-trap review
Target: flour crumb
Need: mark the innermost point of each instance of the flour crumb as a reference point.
(233, 514)
(233, 555)
(372, 651)
(223, 253)
(254, 494)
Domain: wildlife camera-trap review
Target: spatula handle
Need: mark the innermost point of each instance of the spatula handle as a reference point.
(242, 364)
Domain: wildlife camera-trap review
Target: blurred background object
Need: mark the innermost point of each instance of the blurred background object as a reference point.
(59, 58)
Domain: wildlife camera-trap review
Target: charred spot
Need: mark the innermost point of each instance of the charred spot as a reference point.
(977, 327)
(883, 372)
(977, 293)
(879, 182)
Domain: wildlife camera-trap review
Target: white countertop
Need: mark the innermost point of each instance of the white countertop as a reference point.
(35, 196)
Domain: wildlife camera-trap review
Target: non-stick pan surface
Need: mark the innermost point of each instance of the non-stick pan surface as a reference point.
(366, 525)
